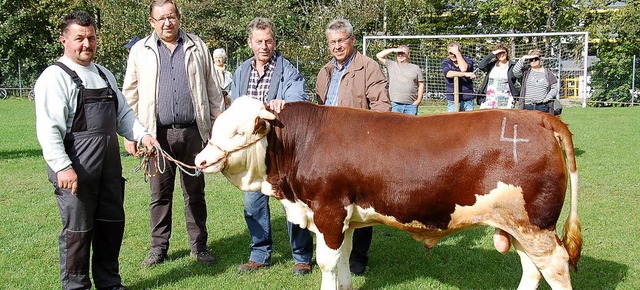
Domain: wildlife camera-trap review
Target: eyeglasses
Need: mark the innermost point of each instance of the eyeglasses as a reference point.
(171, 18)
(534, 59)
(341, 41)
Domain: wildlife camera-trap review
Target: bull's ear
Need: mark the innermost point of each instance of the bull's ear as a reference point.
(260, 126)
(264, 114)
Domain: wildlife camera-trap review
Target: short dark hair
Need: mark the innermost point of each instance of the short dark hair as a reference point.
(76, 17)
(155, 3)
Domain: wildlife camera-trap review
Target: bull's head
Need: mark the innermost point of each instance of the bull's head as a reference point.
(237, 146)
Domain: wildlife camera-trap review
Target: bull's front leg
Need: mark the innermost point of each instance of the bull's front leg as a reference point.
(334, 264)
(344, 272)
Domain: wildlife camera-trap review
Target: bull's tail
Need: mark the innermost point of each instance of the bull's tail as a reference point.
(572, 233)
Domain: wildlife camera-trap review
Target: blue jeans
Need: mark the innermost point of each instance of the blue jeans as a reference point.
(257, 214)
(410, 109)
(464, 106)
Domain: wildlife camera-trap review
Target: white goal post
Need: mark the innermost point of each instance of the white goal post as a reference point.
(565, 53)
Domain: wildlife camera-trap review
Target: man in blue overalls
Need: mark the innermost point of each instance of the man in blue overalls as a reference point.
(78, 113)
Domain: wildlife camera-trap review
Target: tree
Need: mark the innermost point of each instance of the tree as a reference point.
(617, 34)
(29, 37)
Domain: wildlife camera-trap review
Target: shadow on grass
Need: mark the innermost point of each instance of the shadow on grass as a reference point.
(16, 154)
(226, 251)
(395, 258)
(577, 151)
(230, 252)
(462, 265)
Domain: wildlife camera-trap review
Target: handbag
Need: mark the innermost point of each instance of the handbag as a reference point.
(556, 106)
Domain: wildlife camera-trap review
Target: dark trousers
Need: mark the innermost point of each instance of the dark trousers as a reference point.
(361, 244)
(93, 219)
(183, 145)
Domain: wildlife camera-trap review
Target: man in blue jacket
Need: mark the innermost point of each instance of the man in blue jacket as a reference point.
(269, 77)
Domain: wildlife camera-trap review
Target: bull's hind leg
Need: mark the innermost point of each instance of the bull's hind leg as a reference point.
(543, 251)
(530, 275)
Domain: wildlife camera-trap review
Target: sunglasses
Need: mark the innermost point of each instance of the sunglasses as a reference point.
(534, 59)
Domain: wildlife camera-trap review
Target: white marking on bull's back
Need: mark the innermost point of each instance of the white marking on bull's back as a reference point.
(514, 140)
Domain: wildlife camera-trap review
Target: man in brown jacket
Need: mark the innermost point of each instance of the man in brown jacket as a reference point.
(351, 79)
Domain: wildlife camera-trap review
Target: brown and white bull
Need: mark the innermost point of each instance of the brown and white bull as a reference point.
(335, 169)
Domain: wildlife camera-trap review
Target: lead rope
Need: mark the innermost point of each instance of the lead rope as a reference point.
(153, 163)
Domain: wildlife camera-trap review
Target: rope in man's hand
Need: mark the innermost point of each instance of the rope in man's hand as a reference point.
(155, 161)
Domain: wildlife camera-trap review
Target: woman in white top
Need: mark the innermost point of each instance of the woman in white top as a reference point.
(498, 89)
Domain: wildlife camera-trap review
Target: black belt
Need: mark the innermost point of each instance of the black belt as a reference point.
(176, 126)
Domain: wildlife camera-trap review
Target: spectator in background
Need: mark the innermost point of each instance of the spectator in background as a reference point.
(225, 78)
(171, 85)
(131, 42)
(539, 84)
(460, 66)
(270, 78)
(79, 110)
(351, 79)
(406, 82)
(499, 88)
(128, 47)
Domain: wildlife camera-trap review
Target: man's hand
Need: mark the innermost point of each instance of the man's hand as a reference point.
(455, 50)
(131, 147)
(276, 105)
(149, 142)
(68, 179)
(470, 75)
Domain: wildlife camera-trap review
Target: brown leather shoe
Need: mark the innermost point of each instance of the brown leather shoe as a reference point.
(251, 266)
(154, 259)
(204, 258)
(301, 269)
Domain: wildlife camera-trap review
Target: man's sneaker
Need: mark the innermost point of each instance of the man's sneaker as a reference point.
(251, 266)
(204, 258)
(301, 269)
(154, 259)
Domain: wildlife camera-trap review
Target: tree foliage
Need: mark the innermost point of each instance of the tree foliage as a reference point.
(28, 32)
(616, 32)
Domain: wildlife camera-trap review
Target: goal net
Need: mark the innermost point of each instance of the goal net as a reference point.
(565, 53)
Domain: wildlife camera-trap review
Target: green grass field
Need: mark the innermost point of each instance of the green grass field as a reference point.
(607, 142)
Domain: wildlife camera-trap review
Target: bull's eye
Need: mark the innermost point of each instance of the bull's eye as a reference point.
(237, 133)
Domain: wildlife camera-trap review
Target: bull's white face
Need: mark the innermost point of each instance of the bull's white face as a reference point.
(241, 124)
